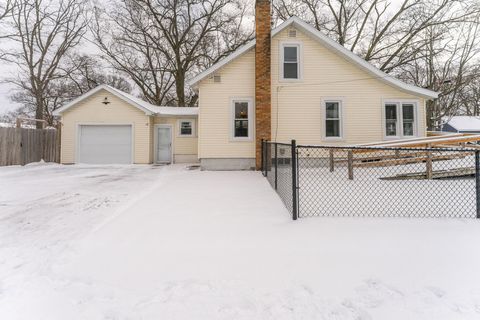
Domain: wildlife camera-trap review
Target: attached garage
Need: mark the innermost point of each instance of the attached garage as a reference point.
(108, 126)
(105, 144)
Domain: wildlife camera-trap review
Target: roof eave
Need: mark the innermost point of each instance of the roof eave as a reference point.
(61, 110)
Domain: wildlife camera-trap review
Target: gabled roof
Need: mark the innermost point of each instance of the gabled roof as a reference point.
(465, 123)
(146, 107)
(330, 44)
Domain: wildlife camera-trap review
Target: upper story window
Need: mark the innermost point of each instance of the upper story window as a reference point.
(290, 60)
(400, 119)
(186, 128)
(242, 115)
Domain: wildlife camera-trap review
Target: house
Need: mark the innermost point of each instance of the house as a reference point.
(462, 124)
(292, 82)
(106, 125)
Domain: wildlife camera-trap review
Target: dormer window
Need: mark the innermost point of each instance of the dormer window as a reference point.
(290, 61)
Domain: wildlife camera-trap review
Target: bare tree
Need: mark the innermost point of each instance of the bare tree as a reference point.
(81, 73)
(381, 33)
(6, 9)
(447, 66)
(45, 31)
(470, 97)
(166, 41)
(126, 38)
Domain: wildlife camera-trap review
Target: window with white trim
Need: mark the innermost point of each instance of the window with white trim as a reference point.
(242, 119)
(400, 119)
(290, 61)
(186, 128)
(333, 120)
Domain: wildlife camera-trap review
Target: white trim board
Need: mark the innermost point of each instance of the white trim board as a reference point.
(328, 43)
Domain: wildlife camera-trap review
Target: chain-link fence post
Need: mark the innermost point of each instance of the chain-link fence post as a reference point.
(477, 181)
(276, 165)
(294, 180)
(263, 158)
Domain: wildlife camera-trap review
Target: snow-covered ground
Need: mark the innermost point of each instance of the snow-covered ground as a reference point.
(146, 242)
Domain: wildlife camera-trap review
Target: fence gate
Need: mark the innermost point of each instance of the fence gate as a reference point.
(374, 181)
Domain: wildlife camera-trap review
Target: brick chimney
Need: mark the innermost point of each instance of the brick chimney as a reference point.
(263, 95)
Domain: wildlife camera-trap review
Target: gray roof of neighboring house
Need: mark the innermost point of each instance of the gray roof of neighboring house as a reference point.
(328, 43)
(465, 123)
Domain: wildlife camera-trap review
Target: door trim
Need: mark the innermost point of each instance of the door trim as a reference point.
(78, 126)
(155, 141)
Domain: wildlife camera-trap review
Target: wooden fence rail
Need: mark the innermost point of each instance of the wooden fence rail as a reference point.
(19, 146)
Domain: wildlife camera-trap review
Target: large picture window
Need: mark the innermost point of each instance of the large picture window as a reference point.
(400, 119)
(242, 119)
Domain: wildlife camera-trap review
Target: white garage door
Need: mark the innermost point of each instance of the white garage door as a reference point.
(105, 144)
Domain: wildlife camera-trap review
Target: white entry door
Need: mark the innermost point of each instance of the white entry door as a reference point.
(164, 144)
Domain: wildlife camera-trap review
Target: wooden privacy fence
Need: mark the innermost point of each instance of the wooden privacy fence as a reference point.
(19, 146)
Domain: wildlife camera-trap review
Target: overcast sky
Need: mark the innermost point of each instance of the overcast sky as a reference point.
(6, 71)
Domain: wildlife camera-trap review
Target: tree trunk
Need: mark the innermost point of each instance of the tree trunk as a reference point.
(39, 110)
(180, 88)
(429, 115)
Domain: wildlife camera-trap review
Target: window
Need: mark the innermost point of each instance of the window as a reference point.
(333, 123)
(400, 119)
(186, 128)
(408, 119)
(242, 116)
(391, 120)
(290, 62)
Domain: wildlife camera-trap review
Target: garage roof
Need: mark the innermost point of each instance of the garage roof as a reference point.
(146, 107)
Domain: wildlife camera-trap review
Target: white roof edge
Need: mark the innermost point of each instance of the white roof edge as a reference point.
(333, 45)
(176, 111)
(116, 92)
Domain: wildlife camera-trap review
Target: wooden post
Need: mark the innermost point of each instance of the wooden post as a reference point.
(332, 161)
(350, 164)
(58, 143)
(429, 164)
(18, 123)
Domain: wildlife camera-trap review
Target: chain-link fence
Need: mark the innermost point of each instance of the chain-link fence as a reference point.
(374, 181)
(277, 167)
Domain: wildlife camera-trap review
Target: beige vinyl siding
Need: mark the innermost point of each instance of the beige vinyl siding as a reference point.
(92, 111)
(182, 146)
(215, 122)
(325, 75)
(299, 107)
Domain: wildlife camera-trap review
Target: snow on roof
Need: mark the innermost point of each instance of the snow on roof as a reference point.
(148, 108)
(328, 43)
(6, 125)
(465, 123)
(175, 111)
